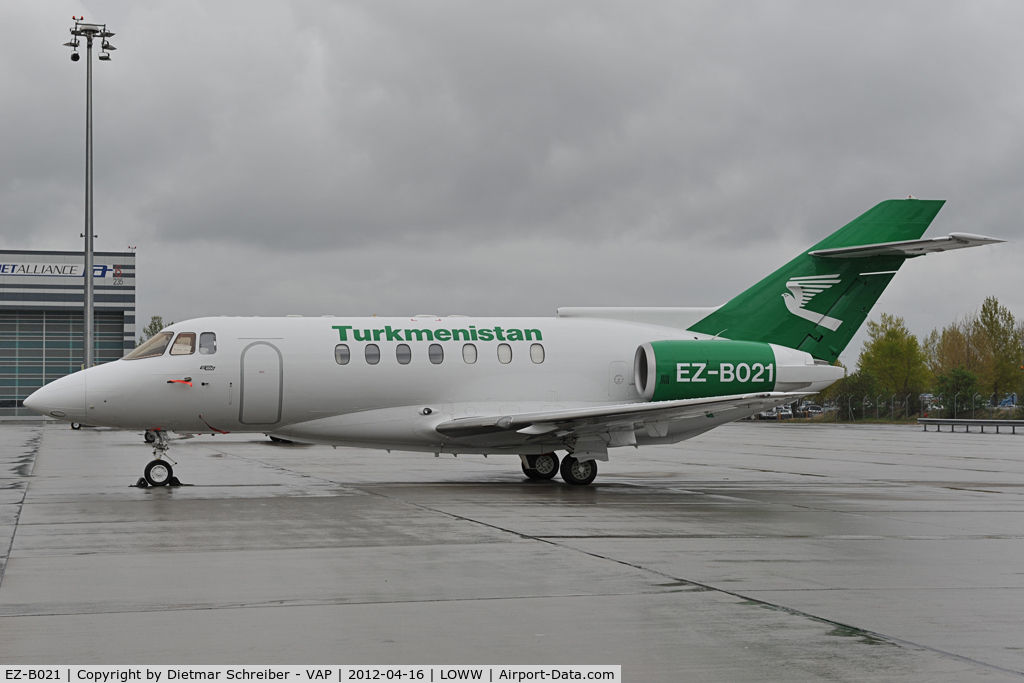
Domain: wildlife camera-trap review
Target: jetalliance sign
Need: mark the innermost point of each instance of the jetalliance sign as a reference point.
(54, 269)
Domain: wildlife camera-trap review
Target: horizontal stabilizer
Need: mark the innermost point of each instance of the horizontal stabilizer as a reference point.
(909, 248)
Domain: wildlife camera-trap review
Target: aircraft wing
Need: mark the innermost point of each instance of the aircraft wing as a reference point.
(909, 248)
(583, 422)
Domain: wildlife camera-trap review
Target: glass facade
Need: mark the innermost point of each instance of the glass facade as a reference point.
(37, 347)
(41, 301)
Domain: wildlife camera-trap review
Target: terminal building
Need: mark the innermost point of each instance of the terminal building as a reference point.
(41, 312)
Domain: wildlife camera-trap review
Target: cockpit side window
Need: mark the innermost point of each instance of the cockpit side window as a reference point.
(154, 346)
(208, 343)
(184, 345)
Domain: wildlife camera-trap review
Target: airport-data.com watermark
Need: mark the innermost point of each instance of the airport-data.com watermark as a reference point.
(312, 674)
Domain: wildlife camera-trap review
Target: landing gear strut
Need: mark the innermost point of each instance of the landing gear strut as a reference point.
(544, 466)
(159, 471)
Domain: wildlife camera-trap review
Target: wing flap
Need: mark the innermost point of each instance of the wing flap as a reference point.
(909, 248)
(651, 416)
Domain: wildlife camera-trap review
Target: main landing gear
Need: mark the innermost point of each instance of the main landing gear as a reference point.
(546, 466)
(578, 473)
(159, 471)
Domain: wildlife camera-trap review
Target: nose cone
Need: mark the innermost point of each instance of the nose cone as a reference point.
(64, 398)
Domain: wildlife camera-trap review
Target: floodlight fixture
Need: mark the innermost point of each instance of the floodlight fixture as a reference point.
(89, 31)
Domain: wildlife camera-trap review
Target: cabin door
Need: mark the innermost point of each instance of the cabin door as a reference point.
(261, 384)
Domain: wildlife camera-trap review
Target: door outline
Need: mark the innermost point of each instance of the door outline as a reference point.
(620, 389)
(241, 383)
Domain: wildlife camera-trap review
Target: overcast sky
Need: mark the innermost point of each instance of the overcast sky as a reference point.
(490, 158)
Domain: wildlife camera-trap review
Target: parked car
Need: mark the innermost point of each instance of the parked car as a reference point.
(785, 413)
(808, 411)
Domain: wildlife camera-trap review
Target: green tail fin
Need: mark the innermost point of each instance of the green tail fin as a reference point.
(817, 304)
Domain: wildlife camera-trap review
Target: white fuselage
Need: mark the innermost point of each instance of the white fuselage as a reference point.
(282, 376)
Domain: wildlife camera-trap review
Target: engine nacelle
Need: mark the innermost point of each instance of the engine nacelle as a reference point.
(670, 370)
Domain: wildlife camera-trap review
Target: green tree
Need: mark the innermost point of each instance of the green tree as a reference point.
(893, 356)
(156, 323)
(849, 393)
(957, 381)
(956, 346)
(1001, 349)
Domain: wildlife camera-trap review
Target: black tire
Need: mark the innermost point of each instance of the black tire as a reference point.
(530, 472)
(544, 466)
(76, 425)
(158, 473)
(150, 436)
(578, 473)
(277, 439)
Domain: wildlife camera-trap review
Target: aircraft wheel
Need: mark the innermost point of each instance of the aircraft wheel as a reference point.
(578, 473)
(546, 466)
(158, 473)
(76, 425)
(150, 436)
(531, 473)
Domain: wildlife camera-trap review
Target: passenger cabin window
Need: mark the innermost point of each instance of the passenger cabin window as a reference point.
(342, 354)
(504, 353)
(372, 354)
(184, 345)
(403, 353)
(435, 353)
(208, 343)
(154, 346)
(469, 353)
(537, 353)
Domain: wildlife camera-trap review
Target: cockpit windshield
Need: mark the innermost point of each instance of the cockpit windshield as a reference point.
(155, 346)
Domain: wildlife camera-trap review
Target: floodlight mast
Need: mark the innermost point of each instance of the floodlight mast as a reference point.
(89, 32)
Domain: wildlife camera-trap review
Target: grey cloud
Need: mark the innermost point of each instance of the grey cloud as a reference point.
(559, 152)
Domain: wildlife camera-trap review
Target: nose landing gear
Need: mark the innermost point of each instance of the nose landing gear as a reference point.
(159, 471)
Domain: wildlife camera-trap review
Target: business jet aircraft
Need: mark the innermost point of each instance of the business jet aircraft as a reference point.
(581, 383)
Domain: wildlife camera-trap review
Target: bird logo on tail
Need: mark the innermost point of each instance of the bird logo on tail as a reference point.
(802, 290)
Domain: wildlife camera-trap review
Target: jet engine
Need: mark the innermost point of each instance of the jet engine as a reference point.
(668, 370)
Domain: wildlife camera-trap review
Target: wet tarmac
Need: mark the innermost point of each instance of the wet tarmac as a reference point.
(756, 552)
